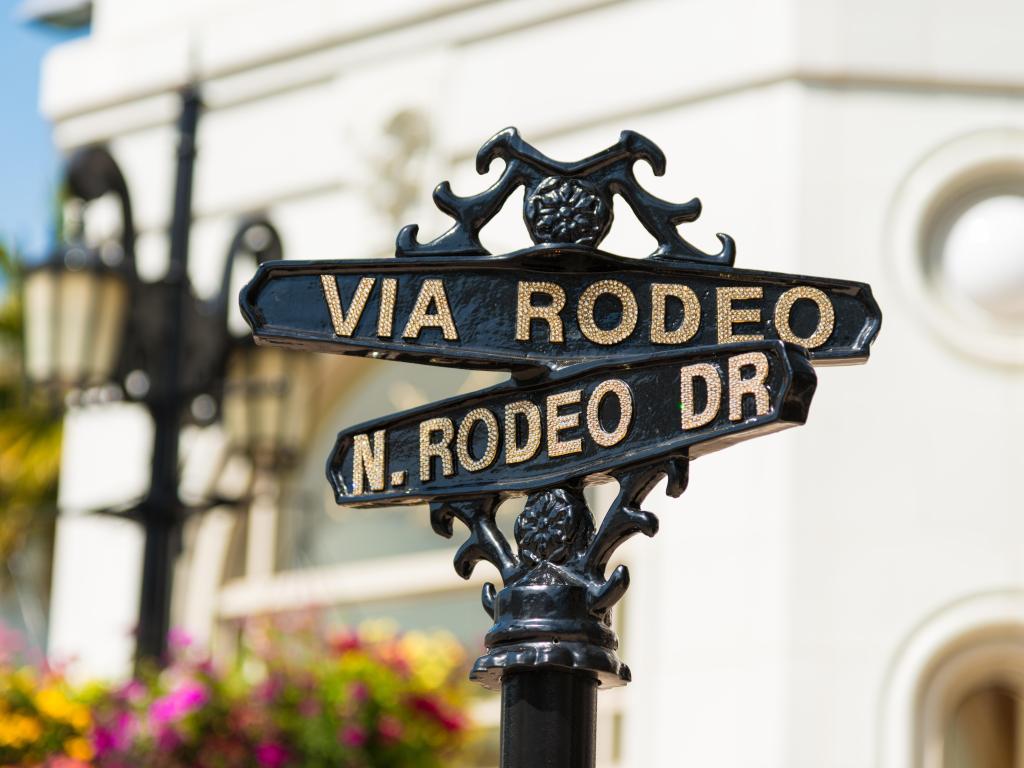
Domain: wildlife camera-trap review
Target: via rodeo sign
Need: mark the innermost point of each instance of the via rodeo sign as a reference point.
(622, 368)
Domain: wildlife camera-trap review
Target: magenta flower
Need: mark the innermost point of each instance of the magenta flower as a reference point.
(186, 698)
(166, 739)
(451, 721)
(116, 737)
(353, 736)
(271, 755)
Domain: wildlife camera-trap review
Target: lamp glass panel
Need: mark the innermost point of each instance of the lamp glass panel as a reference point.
(78, 305)
(266, 400)
(40, 321)
(236, 422)
(296, 405)
(109, 324)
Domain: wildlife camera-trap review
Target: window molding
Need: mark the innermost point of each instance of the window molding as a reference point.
(914, 682)
(377, 579)
(958, 168)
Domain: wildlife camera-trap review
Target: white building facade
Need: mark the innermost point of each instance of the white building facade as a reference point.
(844, 595)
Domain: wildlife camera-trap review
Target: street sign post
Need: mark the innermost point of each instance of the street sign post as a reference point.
(622, 369)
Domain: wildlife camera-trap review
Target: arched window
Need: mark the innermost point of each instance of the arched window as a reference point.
(984, 730)
(971, 704)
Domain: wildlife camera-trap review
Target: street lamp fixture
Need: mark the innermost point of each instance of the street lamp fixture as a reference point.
(265, 399)
(91, 322)
(77, 299)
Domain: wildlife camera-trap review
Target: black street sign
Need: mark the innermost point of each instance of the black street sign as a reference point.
(550, 307)
(623, 369)
(581, 423)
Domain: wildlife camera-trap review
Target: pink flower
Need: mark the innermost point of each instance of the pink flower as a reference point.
(450, 721)
(269, 689)
(11, 643)
(65, 762)
(271, 755)
(344, 641)
(187, 697)
(309, 708)
(353, 736)
(389, 729)
(132, 691)
(178, 639)
(359, 692)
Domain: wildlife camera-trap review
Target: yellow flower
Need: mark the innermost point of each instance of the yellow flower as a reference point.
(24, 680)
(79, 749)
(432, 656)
(54, 704)
(19, 730)
(377, 630)
(79, 717)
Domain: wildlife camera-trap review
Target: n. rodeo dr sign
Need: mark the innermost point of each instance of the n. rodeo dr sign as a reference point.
(617, 361)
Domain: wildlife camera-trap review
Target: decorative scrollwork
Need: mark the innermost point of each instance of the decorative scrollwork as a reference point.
(565, 202)
(555, 607)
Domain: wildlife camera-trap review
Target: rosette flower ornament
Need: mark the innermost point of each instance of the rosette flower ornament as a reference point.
(566, 210)
(554, 527)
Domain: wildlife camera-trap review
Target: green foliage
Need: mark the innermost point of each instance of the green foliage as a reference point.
(30, 433)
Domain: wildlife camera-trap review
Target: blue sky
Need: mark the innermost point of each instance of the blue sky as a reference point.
(28, 162)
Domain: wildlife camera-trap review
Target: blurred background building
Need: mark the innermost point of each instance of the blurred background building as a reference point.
(847, 594)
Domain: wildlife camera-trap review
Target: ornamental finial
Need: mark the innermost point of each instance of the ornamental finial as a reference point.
(565, 203)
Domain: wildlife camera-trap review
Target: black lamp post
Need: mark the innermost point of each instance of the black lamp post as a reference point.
(90, 321)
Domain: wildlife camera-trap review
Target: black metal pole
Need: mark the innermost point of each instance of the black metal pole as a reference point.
(161, 510)
(548, 719)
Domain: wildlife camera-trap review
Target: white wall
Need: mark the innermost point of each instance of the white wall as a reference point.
(766, 619)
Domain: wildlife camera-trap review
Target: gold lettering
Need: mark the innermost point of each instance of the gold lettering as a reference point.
(691, 313)
(621, 390)
(442, 450)
(345, 323)
(691, 419)
(474, 417)
(585, 312)
(740, 387)
(386, 314)
(526, 311)
(431, 292)
(514, 453)
(727, 316)
(826, 316)
(557, 423)
(368, 462)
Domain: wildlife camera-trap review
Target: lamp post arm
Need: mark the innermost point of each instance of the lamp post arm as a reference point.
(256, 235)
(91, 173)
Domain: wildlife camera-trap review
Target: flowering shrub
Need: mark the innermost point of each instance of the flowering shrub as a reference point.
(41, 722)
(367, 699)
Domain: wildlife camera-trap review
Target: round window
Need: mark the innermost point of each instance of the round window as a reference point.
(955, 237)
(976, 258)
